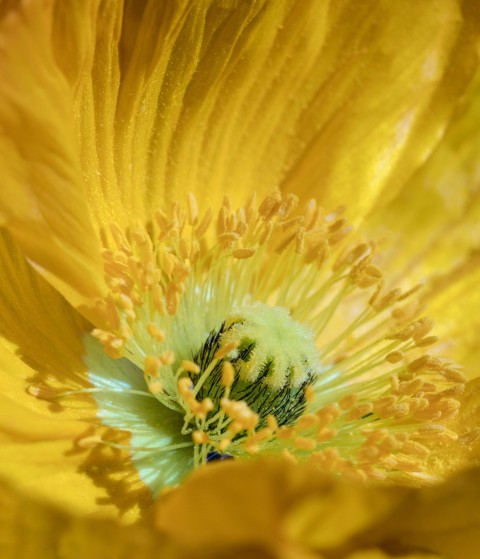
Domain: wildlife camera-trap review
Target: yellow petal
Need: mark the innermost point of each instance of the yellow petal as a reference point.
(85, 41)
(20, 423)
(39, 438)
(324, 99)
(38, 455)
(34, 529)
(43, 201)
(443, 519)
(378, 554)
(453, 300)
(420, 524)
(319, 524)
(467, 425)
(42, 451)
(269, 505)
(387, 97)
(293, 511)
(38, 325)
(434, 221)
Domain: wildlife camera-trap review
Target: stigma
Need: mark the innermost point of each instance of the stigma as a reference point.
(272, 347)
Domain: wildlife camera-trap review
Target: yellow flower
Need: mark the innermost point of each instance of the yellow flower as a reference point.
(157, 316)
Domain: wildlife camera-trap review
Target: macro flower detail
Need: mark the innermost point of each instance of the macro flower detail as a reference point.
(265, 332)
(227, 230)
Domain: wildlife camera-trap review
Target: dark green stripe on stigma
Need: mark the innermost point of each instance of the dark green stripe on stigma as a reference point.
(286, 403)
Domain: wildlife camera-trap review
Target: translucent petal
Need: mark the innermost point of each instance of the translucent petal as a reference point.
(152, 425)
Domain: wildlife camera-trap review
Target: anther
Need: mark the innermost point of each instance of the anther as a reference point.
(272, 422)
(155, 387)
(422, 328)
(454, 375)
(89, 442)
(190, 367)
(167, 357)
(42, 391)
(306, 422)
(387, 300)
(200, 437)
(226, 349)
(185, 386)
(425, 342)
(309, 393)
(204, 224)
(228, 374)
(335, 238)
(418, 364)
(359, 411)
(303, 443)
(155, 332)
(347, 401)
(394, 356)
(270, 206)
(243, 253)
(230, 237)
(151, 365)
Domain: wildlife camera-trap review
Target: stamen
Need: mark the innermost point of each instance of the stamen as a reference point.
(266, 330)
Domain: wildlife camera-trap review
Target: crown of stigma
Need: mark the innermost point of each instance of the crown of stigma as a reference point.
(273, 348)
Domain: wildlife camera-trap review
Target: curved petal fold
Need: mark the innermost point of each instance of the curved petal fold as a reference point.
(327, 99)
(433, 222)
(40, 331)
(43, 200)
(285, 510)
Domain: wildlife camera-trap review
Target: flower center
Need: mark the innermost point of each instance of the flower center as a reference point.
(259, 357)
(264, 332)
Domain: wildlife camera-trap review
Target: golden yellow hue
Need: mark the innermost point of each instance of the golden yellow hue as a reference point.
(180, 109)
(301, 512)
(111, 110)
(205, 317)
(303, 516)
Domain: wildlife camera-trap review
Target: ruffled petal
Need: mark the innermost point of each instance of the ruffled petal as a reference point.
(386, 100)
(453, 300)
(217, 98)
(443, 519)
(433, 233)
(43, 200)
(434, 221)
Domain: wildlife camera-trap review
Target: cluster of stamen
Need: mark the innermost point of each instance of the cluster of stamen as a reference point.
(372, 405)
